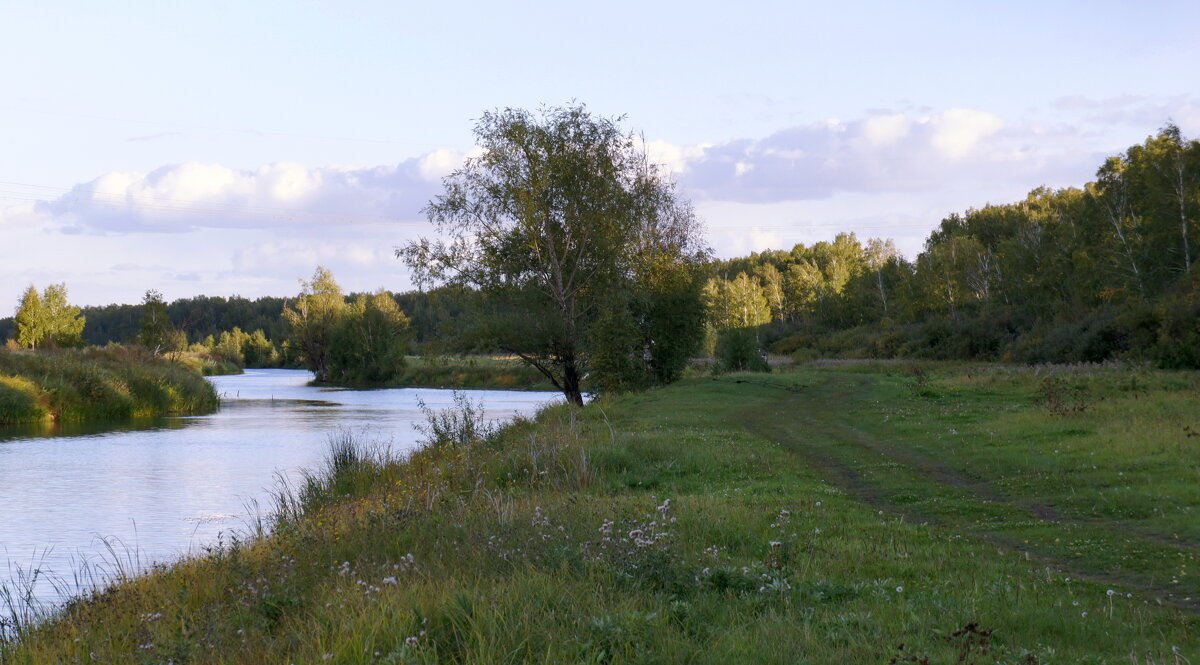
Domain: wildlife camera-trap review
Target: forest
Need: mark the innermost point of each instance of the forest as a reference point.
(1082, 274)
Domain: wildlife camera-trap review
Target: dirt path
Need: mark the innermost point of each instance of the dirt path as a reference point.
(814, 425)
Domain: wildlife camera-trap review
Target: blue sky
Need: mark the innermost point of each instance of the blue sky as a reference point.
(230, 147)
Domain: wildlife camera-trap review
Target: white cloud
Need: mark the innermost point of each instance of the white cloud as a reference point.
(192, 195)
(884, 130)
(956, 132)
(883, 152)
(439, 164)
(671, 157)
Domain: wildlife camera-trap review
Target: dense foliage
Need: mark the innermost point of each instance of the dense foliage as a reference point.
(1078, 274)
(361, 342)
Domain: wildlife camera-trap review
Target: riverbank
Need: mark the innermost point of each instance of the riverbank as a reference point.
(206, 364)
(465, 372)
(851, 513)
(96, 384)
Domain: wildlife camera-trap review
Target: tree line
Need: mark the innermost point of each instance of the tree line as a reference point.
(1080, 274)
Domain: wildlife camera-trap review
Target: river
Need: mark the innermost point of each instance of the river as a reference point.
(99, 502)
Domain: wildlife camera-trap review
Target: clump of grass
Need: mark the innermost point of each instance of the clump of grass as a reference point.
(1061, 398)
(96, 384)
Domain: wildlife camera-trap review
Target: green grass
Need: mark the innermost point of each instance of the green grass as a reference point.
(96, 384)
(867, 513)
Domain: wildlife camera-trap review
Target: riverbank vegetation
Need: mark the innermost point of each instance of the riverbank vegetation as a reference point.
(350, 343)
(848, 513)
(483, 372)
(97, 384)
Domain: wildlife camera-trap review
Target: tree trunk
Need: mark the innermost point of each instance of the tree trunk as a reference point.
(570, 385)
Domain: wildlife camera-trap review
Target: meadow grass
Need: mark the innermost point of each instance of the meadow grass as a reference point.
(96, 384)
(834, 514)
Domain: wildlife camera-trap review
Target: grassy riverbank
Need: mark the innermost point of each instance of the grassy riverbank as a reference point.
(96, 384)
(835, 514)
(468, 372)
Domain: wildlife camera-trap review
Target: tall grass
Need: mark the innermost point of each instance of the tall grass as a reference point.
(652, 528)
(96, 384)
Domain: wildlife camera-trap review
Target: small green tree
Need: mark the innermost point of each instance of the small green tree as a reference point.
(258, 351)
(312, 318)
(737, 350)
(229, 346)
(30, 319)
(48, 320)
(157, 333)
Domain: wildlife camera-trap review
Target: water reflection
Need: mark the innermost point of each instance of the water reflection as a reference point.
(168, 487)
(48, 430)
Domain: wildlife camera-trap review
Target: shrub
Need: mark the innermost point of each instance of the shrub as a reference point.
(737, 350)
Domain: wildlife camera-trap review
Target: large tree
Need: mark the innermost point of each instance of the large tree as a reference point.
(564, 224)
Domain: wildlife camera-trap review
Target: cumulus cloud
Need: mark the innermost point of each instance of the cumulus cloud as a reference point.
(883, 152)
(192, 195)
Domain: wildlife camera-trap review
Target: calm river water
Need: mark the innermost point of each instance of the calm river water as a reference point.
(167, 488)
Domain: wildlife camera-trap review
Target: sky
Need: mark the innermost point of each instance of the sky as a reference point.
(229, 148)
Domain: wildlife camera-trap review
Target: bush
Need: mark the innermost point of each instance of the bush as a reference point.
(737, 350)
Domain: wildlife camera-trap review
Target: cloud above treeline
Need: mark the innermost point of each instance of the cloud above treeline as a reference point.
(886, 152)
(193, 195)
(881, 152)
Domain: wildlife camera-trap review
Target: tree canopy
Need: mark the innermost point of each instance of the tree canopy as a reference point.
(566, 228)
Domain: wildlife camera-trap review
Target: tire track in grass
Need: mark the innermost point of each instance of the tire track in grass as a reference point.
(812, 425)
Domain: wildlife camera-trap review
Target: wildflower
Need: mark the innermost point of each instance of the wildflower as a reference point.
(412, 640)
(775, 543)
(899, 589)
(1111, 592)
(389, 580)
(1083, 614)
